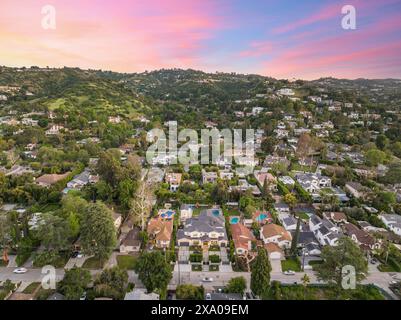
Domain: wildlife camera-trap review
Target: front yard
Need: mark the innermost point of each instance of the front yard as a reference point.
(93, 263)
(126, 262)
(291, 264)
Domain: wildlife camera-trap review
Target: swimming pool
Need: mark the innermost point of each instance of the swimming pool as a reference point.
(261, 217)
(167, 214)
(234, 220)
(216, 212)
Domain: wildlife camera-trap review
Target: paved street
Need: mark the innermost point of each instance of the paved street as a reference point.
(380, 279)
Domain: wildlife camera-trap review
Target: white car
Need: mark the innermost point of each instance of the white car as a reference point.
(20, 270)
(207, 279)
(289, 273)
(208, 296)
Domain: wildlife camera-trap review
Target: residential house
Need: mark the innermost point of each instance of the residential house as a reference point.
(160, 231)
(336, 217)
(275, 234)
(392, 222)
(274, 251)
(242, 238)
(266, 176)
(174, 180)
(324, 230)
(48, 180)
(209, 177)
(361, 237)
(356, 189)
(206, 229)
(287, 180)
(313, 182)
(131, 243)
(54, 130)
(226, 174)
(186, 212)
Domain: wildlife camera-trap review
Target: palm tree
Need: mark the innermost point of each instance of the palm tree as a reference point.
(305, 281)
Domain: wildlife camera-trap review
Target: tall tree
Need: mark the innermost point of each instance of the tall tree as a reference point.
(260, 276)
(141, 204)
(153, 270)
(98, 233)
(236, 285)
(53, 231)
(74, 283)
(294, 243)
(5, 234)
(335, 258)
(112, 283)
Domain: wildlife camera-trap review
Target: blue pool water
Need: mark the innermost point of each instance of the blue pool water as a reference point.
(216, 212)
(167, 214)
(234, 220)
(261, 217)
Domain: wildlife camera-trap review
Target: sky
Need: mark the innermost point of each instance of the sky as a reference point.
(284, 39)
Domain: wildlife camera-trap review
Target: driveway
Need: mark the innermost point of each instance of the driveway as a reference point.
(276, 266)
(78, 262)
(183, 254)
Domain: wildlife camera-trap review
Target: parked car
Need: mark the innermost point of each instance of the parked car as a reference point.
(289, 273)
(20, 270)
(207, 279)
(208, 296)
(83, 297)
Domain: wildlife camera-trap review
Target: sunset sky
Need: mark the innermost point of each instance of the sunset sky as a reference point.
(283, 39)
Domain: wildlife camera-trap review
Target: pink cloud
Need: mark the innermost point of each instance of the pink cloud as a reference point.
(123, 36)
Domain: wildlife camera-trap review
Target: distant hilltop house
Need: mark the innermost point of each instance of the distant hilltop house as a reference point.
(47, 180)
(54, 130)
(115, 120)
(392, 221)
(286, 92)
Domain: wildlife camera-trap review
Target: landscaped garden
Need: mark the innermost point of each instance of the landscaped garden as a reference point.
(196, 267)
(214, 267)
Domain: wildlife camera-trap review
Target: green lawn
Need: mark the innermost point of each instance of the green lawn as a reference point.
(126, 262)
(93, 263)
(386, 268)
(291, 264)
(303, 215)
(31, 288)
(231, 212)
